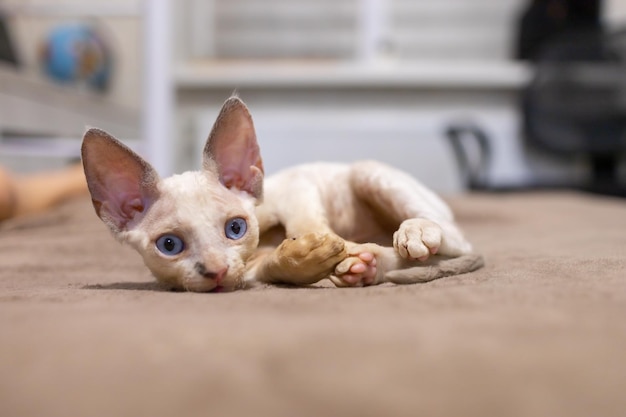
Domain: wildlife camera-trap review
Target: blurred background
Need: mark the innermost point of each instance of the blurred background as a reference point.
(464, 94)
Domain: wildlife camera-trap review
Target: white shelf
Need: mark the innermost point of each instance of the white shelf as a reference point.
(35, 106)
(30, 105)
(330, 74)
(99, 10)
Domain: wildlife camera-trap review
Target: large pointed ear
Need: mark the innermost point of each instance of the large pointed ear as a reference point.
(232, 151)
(122, 185)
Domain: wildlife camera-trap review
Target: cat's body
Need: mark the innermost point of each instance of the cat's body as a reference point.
(225, 227)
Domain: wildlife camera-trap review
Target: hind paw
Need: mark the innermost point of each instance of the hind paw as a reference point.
(356, 270)
(417, 239)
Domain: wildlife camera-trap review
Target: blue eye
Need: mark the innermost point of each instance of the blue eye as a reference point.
(236, 228)
(170, 245)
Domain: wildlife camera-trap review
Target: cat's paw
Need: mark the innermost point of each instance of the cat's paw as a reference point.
(417, 239)
(357, 270)
(312, 249)
(308, 258)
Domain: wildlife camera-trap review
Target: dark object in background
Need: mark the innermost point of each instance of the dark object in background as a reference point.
(7, 50)
(575, 104)
(472, 150)
(544, 19)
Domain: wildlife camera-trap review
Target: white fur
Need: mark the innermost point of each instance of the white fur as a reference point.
(359, 224)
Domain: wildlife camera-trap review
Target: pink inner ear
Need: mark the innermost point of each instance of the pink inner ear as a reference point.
(234, 164)
(231, 179)
(233, 146)
(242, 169)
(122, 185)
(121, 199)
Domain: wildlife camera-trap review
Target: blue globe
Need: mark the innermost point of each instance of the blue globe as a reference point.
(77, 53)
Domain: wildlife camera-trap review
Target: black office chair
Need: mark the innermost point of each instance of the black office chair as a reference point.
(576, 104)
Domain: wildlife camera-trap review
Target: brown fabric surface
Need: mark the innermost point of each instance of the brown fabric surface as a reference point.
(539, 332)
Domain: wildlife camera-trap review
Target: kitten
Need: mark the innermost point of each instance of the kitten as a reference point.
(224, 228)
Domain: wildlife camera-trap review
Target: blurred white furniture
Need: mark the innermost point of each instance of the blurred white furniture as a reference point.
(38, 117)
(43, 119)
(397, 113)
(348, 79)
(352, 79)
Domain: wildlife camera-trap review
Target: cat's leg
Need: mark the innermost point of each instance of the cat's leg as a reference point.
(304, 260)
(425, 224)
(365, 264)
(425, 227)
(311, 249)
(371, 264)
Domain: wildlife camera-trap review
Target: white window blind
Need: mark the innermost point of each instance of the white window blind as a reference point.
(337, 29)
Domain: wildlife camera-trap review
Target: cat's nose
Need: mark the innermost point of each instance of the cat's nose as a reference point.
(208, 274)
(216, 275)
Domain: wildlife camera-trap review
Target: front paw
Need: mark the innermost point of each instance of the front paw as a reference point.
(417, 239)
(308, 258)
(357, 270)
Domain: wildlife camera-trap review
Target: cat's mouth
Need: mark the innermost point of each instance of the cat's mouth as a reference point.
(204, 287)
(208, 281)
(211, 286)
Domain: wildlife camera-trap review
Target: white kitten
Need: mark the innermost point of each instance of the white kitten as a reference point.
(222, 228)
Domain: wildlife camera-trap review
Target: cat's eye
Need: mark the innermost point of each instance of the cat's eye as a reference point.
(170, 245)
(236, 228)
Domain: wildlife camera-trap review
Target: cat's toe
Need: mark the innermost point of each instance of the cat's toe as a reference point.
(417, 239)
(356, 270)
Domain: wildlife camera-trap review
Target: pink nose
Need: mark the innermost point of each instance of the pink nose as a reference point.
(221, 274)
(216, 275)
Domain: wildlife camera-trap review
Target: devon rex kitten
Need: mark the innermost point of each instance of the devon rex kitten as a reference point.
(224, 227)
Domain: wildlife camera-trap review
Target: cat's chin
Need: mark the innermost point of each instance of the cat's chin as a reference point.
(178, 288)
(203, 286)
(208, 286)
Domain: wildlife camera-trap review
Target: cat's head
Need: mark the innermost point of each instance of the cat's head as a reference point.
(195, 231)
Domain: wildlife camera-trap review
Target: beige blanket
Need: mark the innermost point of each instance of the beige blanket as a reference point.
(541, 331)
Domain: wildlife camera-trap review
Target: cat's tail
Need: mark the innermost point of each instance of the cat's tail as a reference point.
(435, 268)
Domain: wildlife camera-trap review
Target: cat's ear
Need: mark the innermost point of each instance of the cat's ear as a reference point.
(232, 151)
(122, 185)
